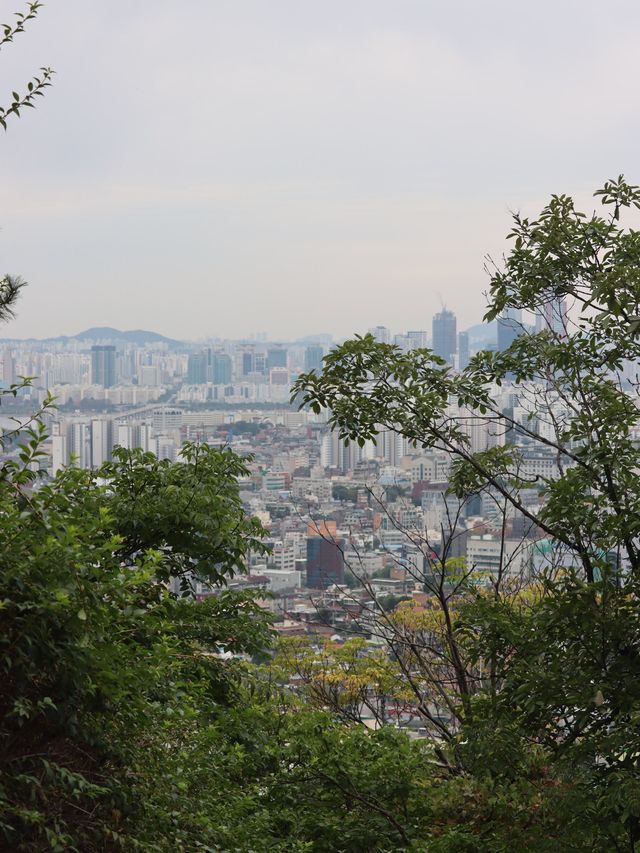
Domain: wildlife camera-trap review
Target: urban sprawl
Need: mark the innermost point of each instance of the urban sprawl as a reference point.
(351, 529)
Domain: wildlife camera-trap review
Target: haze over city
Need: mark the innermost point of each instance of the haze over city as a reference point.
(229, 168)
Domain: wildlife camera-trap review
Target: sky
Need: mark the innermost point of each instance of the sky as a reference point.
(231, 167)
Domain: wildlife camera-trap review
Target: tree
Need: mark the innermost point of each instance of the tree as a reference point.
(341, 492)
(35, 87)
(563, 652)
(97, 656)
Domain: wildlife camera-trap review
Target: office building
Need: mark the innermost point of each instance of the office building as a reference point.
(245, 361)
(418, 339)
(325, 560)
(197, 368)
(221, 369)
(279, 376)
(509, 327)
(489, 555)
(260, 363)
(103, 365)
(276, 357)
(313, 358)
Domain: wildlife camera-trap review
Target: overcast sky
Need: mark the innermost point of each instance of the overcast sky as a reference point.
(227, 167)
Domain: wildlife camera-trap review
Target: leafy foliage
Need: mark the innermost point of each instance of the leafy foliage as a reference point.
(96, 654)
(191, 511)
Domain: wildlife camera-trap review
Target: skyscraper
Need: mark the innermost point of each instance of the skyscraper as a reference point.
(103, 365)
(221, 368)
(463, 350)
(197, 368)
(313, 358)
(553, 317)
(509, 327)
(444, 334)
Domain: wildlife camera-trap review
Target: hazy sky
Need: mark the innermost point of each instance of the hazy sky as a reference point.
(225, 167)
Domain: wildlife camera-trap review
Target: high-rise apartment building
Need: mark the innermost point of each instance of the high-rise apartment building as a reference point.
(101, 441)
(103, 365)
(444, 335)
(149, 374)
(80, 444)
(210, 366)
(381, 333)
(8, 368)
(59, 453)
(391, 446)
(123, 436)
(135, 435)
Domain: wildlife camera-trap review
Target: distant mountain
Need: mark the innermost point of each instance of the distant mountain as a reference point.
(483, 334)
(141, 337)
(135, 336)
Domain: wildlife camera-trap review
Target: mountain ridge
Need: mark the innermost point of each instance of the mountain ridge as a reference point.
(108, 333)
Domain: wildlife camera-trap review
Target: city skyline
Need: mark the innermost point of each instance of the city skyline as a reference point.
(420, 337)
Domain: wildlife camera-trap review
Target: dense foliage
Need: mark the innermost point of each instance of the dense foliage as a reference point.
(98, 657)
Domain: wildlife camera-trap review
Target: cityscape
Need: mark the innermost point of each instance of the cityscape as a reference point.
(336, 514)
(319, 427)
(143, 390)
